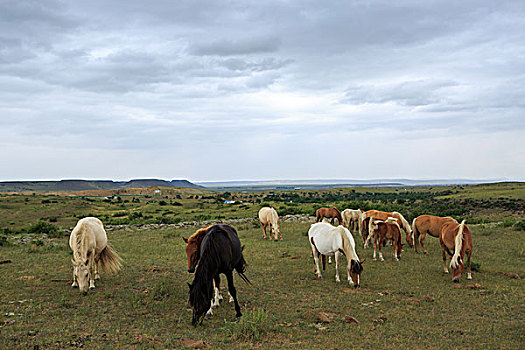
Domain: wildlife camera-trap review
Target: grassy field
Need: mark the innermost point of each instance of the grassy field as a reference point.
(410, 303)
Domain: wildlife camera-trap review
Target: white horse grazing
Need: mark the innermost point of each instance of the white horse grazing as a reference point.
(89, 243)
(328, 240)
(268, 216)
(352, 219)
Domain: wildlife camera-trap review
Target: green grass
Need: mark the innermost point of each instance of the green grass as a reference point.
(146, 307)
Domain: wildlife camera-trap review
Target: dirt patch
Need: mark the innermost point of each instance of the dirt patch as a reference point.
(193, 344)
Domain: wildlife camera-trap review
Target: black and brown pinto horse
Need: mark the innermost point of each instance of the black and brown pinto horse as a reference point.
(220, 252)
(329, 213)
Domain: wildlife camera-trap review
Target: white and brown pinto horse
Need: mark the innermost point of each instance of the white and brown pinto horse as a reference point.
(456, 241)
(89, 244)
(352, 219)
(268, 216)
(383, 215)
(328, 240)
(386, 230)
(428, 224)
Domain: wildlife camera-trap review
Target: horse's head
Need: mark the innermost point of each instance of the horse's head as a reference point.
(193, 252)
(399, 248)
(356, 267)
(81, 274)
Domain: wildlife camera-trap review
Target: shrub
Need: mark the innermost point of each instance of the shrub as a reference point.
(519, 225)
(44, 227)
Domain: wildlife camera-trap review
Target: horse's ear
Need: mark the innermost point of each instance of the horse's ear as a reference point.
(242, 248)
(87, 261)
(362, 261)
(185, 239)
(189, 285)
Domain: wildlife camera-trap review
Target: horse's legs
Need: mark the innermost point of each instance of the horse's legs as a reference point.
(91, 275)
(423, 235)
(97, 276)
(264, 229)
(75, 283)
(445, 269)
(469, 271)
(337, 279)
(381, 240)
(217, 284)
(375, 246)
(233, 292)
(317, 271)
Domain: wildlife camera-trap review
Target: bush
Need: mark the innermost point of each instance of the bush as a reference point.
(44, 227)
(519, 225)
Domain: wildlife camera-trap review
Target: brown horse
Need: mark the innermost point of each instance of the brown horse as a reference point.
(329, 213)
(386, 230)
(456, 241)
(430, 224)
(193, 253)
(384, 215)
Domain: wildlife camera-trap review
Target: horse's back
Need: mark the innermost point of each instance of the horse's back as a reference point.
(326, 237)
(94, 231)
(226, 242)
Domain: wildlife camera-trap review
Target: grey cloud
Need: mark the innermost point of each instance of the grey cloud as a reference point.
(241, 46)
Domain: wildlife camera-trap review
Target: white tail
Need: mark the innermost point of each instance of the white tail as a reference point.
(413, 231)
(110, 261)
(454, 263)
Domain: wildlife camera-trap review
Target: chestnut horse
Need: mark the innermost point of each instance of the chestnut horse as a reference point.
(329, 213)
(456, 241)
(386, 230)
(430, 224)
(193, 253)
(405, 225)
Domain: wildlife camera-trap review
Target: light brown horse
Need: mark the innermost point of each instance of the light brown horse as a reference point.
(386, 230)
(403, 223)
(329, 213)
(193, 254)
(269, 216)
(428, 224)
(456, 241)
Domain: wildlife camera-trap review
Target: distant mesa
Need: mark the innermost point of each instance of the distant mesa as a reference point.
(85, 185)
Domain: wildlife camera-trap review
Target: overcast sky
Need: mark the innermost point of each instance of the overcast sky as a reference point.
(229, 90)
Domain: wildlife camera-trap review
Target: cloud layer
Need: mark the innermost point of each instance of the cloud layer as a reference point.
(262, 90)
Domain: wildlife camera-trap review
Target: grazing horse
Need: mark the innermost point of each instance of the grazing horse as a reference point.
(405, 225)
(383, 230)
(456, 241)
(352, 219)
(430, 224)
(268, 216)
(329, 213)
(220, 252)
(89, 244)
(328, 240)
(193, 254)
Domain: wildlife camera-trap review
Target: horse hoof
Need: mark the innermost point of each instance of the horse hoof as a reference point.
(455, 280)
(446, 271)
(92, 287)
(85, 293)
(74, 287)
(97, 278)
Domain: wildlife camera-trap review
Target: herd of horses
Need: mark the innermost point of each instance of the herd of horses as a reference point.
(216, 249)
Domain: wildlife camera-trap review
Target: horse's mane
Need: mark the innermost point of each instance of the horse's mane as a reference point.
(80, 240)
(201, 291)
(348, 247)
(404, 222)
(199, 235)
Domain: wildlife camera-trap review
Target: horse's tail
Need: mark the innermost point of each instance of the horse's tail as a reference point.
(110, 261)
(454, 263)
(241, 268)
(415, 233)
